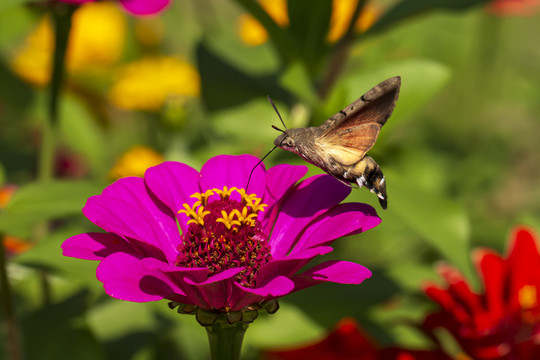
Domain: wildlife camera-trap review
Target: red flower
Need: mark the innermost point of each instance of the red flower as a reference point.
(502, 322)
(348, 342)
(504, 8)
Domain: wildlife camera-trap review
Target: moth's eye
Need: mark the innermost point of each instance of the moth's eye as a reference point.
(289, 142)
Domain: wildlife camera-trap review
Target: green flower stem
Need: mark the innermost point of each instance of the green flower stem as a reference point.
(12, 346)
(226, 339)
(61, 15)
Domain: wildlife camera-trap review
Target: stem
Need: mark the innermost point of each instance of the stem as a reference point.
(12, 338)
(226, 339)
(61, 15)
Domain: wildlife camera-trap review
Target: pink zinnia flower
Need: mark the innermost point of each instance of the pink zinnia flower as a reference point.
(135, 7)
(502, 321)
(235, 249)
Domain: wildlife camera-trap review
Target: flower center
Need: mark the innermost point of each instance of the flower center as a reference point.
(224, 233)
(527, 297)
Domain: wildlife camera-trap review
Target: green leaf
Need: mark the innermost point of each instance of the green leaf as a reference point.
(43, 329)
(44, 201)
(47, 254)
(8, 4)
(288, 326)
(223, 85)
(297, 81)
(410, 275)
(442, 223)
(409, 8)
(239, 123)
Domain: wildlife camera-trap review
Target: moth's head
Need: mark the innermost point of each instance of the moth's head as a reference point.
(285, 141)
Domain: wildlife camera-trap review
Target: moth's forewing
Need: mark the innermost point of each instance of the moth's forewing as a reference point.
(350, 133)
(375, 106)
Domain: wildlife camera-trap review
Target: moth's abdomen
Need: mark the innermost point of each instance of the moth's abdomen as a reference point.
(369, 174)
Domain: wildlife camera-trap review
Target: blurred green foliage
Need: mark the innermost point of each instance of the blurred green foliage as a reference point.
(460, 155)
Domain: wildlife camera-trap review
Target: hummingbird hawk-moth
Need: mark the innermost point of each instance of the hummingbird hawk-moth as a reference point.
(340, 144)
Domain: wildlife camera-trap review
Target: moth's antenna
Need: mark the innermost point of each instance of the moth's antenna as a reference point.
(260, 161)
(278, 129)
(277, 112)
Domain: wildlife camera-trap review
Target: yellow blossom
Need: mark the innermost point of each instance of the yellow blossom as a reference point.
(96, 39)
(135, 162)
(148, 83)
(252, 33)
(32, 61)
(342, 12)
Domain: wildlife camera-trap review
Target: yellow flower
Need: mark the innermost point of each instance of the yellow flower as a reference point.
(342, 12)
(96, 39)
(252, 33)
(135, 161)
(32, 61)
(148, 83)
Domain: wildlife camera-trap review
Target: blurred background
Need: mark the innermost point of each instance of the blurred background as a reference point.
(460, 154)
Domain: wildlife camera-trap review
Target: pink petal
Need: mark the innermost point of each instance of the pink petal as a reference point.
(288, 266)
(95, 246)
(313, 197)
(134, 190)
(117, 216)
(280, 178)
(184, 278)
(145, 7)
(126, 278)
(341, 272)
(229, 170)
(342, 220)
(174, 183)
(243, 296)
